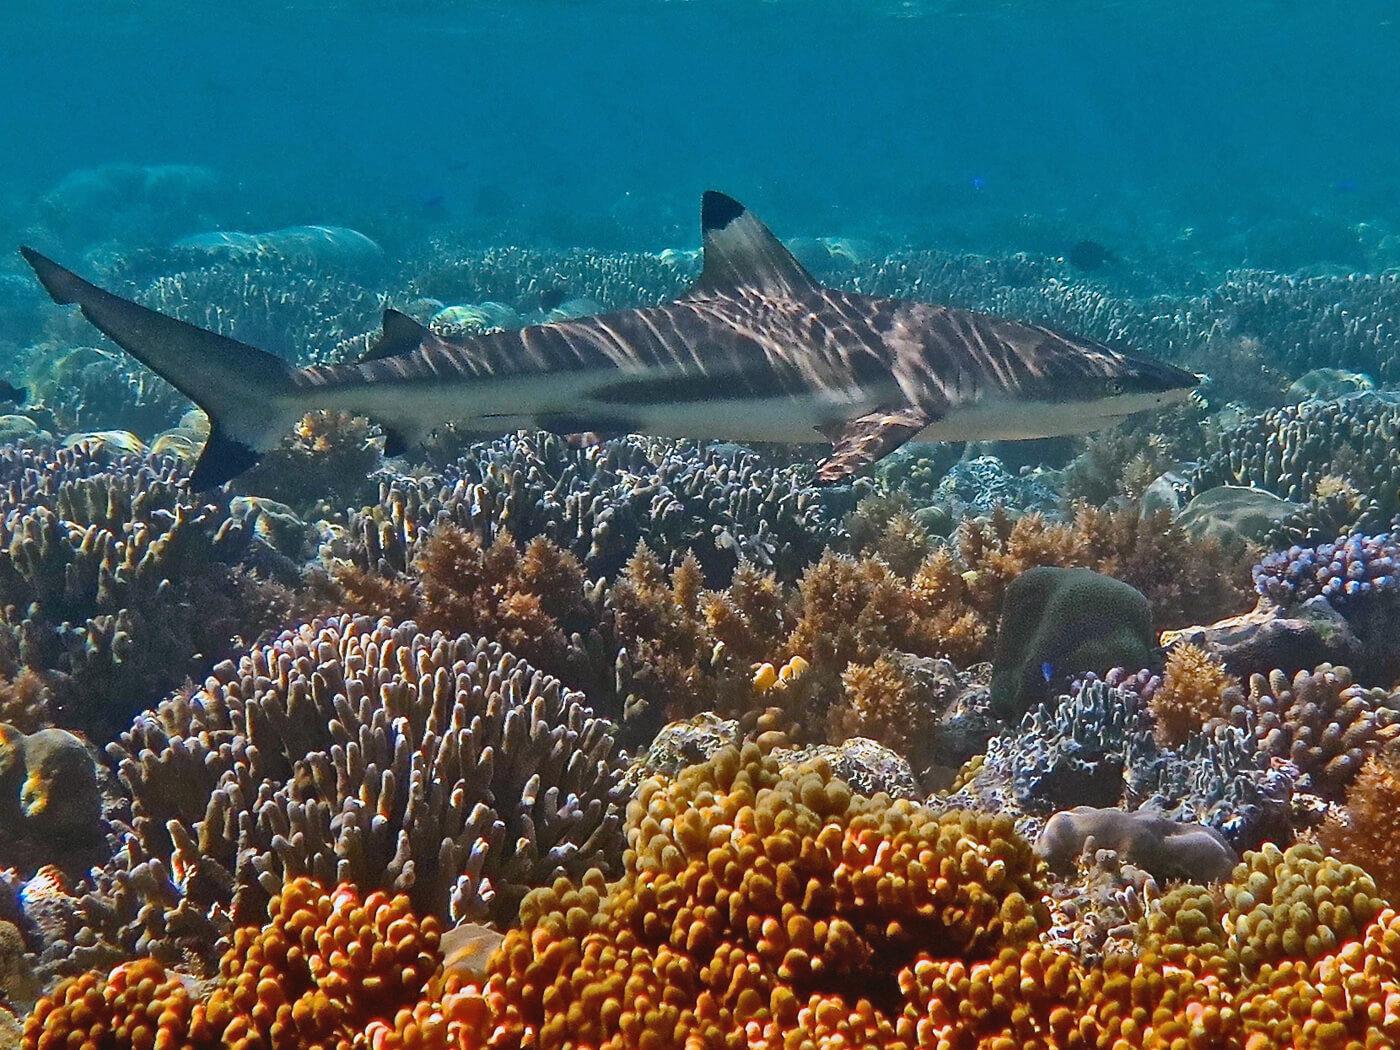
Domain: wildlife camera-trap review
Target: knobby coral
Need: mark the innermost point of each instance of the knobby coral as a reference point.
(361, 752)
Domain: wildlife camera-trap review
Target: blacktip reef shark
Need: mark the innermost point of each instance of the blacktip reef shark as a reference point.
(756, 350)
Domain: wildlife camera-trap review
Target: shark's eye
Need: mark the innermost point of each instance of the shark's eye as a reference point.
(1113, 388)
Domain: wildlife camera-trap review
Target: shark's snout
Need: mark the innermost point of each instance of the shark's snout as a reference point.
(1152, 377)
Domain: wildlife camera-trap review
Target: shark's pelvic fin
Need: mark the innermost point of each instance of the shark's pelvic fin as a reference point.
(399, 334)
(740, 252)
(860, 442)
(247, 393)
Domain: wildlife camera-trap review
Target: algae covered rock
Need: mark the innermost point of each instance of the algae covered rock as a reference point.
(1164, 847)
(1060, 622)
(48, 782)
(1235, 513)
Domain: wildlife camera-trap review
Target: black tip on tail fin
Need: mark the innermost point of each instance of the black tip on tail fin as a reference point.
(222, 460)
(400, 334)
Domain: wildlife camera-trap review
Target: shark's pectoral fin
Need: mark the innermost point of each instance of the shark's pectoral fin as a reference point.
(859, 442)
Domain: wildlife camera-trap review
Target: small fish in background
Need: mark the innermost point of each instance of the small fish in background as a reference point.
(1344, 186)
(11, 394)
(1089, 255)
(977, 182)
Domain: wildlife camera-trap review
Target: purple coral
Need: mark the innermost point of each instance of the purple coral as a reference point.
(1344, 572)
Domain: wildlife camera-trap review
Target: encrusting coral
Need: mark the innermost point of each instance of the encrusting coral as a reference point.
(361, 752)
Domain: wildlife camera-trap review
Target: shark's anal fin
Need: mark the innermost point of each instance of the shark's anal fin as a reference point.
(400, 334)
(860, 442)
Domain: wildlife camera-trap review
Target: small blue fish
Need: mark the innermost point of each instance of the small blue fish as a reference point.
(977, 182)
(1047, 670)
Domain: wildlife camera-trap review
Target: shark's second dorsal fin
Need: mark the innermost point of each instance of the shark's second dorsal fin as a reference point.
(401, 334)
(740, 252)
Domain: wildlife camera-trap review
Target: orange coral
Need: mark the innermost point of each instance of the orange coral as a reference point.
(316, 976)
(1195, 688)
(1367, 831)
(881, 702)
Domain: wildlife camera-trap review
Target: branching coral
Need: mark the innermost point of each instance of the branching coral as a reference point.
(118, 581)
(1321, 722)
(1194, 689)
(719, 503)
(359, 752)
(753, 906)
(1366, 832)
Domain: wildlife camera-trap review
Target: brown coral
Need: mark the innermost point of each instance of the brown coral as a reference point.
(360, 752)
(322, 969)
(1322, 722)
(1195, 688)
(1367, 831)
(757, 907)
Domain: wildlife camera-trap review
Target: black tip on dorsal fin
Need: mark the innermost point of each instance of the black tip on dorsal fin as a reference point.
(401, 334)
(740, 252)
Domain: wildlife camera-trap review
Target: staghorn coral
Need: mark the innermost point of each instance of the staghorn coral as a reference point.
(117, 581)
(360, 752)
(1195, 688)
(1321, 722)
(1366, 832)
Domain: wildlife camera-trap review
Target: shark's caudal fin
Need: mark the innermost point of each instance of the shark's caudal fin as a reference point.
(247, 392)
(740, 252)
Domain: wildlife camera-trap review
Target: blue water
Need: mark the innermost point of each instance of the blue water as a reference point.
(980, 126)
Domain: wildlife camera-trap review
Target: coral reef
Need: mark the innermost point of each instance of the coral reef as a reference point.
(326, 966)
(1321, 722)
(1195, 688)
(1366, 832)
(48, 784)
(118, 581)
(1097, 746)
(721, 503)
(362, 752)
(1057, 623)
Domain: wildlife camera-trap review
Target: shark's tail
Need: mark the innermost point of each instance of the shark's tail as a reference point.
(249, 394)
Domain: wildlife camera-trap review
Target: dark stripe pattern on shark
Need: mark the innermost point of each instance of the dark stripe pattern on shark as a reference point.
(756, 350)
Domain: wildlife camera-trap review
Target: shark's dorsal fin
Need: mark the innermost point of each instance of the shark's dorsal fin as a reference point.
(401, 334)
(740, 252)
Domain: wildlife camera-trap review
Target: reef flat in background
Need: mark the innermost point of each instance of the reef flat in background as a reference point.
(650, 743)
